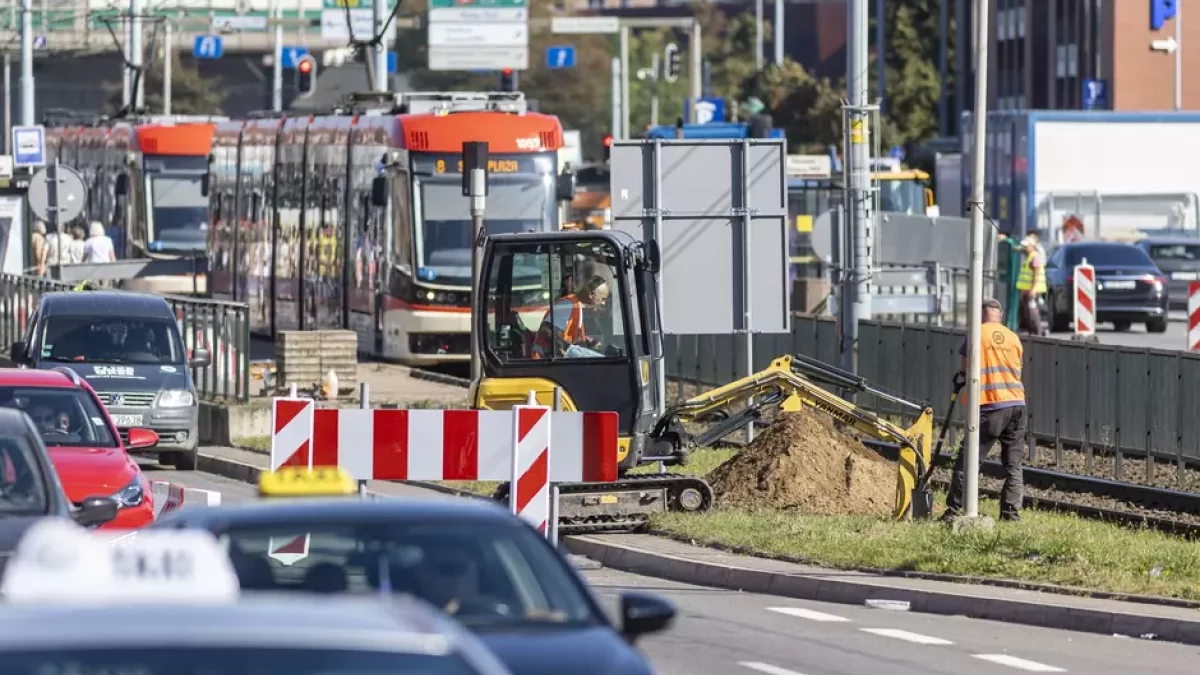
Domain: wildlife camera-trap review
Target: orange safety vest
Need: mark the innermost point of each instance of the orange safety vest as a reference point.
(569, 307)
(1000, 364)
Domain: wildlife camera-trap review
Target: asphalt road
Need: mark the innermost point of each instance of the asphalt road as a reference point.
(722, 632)
(1174, 339)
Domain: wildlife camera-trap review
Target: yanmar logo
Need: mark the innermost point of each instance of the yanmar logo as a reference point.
(530, 143)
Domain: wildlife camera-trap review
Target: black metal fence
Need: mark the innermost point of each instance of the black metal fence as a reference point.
(223, 328)
(1092, 397)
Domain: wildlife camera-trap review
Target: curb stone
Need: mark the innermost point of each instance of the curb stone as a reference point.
(1039, 610)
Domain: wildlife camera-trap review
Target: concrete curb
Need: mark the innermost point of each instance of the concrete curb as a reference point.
(440, 378)
(1033, 612)
(1039, 610)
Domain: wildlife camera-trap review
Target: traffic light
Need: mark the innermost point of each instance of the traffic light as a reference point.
(674, 62)
(608, 139)
(306, 76)
(508, 80)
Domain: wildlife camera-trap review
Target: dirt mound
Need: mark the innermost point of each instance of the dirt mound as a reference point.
(803, 462)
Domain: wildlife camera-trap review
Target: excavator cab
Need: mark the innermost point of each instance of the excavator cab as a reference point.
(576, 311)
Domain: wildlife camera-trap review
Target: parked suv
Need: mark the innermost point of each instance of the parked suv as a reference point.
(129, 349)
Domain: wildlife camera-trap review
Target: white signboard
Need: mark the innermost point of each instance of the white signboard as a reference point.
(476, 35)
(483, 58)
(250, 24)
(362, 21)
(809, 166)
(585, 25)
(478, 14)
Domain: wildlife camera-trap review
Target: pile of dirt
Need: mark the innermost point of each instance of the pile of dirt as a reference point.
(804, 462)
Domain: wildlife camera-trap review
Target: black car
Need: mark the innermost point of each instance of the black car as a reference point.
(1129, 286)
(474, 560)
(129, 348)
(1179, 259)
(29, 487)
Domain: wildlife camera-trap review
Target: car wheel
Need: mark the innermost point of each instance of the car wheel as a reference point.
(1121, 326)
(1156, 326)
(185, 460)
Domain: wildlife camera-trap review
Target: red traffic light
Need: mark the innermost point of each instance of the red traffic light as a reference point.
(305, 66)
(506, 71)
(608, 139)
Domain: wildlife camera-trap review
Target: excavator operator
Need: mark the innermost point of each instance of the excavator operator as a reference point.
(562, 325)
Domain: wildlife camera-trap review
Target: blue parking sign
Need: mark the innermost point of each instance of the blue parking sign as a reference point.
(560, 56)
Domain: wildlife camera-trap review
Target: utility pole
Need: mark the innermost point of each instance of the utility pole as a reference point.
(975, 294)
(8, 103)
(617, 106)
(26, 63)
(277, 70)
(168, 52)
(880, 51)
(943, 48)
(859, 198)
(135, 53)
(652, 73)
(758, 35)
(379, 50)
(624, 131)
(778, 33)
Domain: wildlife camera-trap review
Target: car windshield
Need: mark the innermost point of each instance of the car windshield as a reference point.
(93, 339)
(513, 205)
(220, 660)
(483, 575)
(1108, 256)
(22, 491)
(1184, 253)
(64, 416)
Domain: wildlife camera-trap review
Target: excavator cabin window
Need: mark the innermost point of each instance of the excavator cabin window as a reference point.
(556, 301)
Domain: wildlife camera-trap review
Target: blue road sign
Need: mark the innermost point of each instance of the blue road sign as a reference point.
(897, 152)
(39, 42)
(208, 47)
(391, 62)
(709, 109)
(292, 55)
(1095, 95)
(29, 146)
(560, 56)
(1160, 11)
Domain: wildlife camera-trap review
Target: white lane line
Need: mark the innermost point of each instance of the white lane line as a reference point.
(809, 614)
(1021, 664)
(906, 636)
(767, 668)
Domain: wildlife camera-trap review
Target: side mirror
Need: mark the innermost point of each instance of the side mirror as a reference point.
(17, 352)
(566, 186)
(121, 187)
(95, 511)
(141, 438)
(204, 184)
(642, 614)
(200, 358)
(379, 191)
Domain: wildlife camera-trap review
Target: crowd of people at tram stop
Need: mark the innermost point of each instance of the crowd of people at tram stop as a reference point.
(1031, 279)
(70, 246)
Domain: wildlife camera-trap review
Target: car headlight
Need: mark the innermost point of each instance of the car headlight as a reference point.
(131, 495)
(176, 399)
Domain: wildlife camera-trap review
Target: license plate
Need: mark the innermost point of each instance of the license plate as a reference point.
(1120, 285)
(127, 420)
(1184, 276)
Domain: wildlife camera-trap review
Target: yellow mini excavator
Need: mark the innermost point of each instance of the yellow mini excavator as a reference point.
(576, 312)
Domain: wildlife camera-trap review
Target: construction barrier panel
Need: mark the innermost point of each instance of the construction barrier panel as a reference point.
(1085, 300)
(1193, 317)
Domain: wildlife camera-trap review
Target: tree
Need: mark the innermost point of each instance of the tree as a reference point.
(913, 82)
(807, 108)
(191, 92)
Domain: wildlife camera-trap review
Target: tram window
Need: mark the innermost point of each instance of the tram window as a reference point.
(402, 236)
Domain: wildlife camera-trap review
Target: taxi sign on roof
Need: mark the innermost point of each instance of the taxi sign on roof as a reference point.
(58, 561)
(303, 482)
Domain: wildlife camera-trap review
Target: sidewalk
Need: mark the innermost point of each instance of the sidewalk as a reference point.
(663, 558)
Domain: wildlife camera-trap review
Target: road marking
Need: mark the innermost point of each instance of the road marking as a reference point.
(906, 636)
(1022, 664)
(767, 668)
(807, 614)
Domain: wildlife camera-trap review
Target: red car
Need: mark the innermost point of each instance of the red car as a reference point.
(83, 442)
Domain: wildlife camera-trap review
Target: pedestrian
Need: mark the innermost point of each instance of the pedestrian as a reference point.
(54, 241)
(40, 250)
(1001, 412)
(1031, 282)
(99, 247)
(76, 245)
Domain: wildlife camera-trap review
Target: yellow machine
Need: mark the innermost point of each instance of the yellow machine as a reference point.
(905, 191)
(620, 370)
(305, 482)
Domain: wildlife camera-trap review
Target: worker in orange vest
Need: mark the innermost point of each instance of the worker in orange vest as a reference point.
(1001, 411)
(562, 325)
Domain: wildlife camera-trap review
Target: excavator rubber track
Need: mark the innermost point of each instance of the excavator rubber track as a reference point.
(684, 494)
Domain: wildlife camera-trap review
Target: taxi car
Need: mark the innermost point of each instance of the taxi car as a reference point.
(168, 602)
(478, 563)
(88, 454)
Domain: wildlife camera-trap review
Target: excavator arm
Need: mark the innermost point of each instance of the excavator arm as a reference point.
(791, 384)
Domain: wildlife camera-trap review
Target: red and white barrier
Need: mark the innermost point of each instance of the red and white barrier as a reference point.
(1085, 299)
(529, 489)
(170, 497)
(436, 445)
(1193, 310)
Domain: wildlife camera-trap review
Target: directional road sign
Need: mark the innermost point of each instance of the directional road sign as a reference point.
(585, 25)
(29, 146)
(1095, 94)
(560, 56)
(478, 34)
(208, 47)
(292, 54)
(246, 24)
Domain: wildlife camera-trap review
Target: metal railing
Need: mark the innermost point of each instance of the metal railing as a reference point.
(223, 328)
(1099, 399)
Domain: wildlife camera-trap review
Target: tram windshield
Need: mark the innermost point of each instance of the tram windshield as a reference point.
(179, 212)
